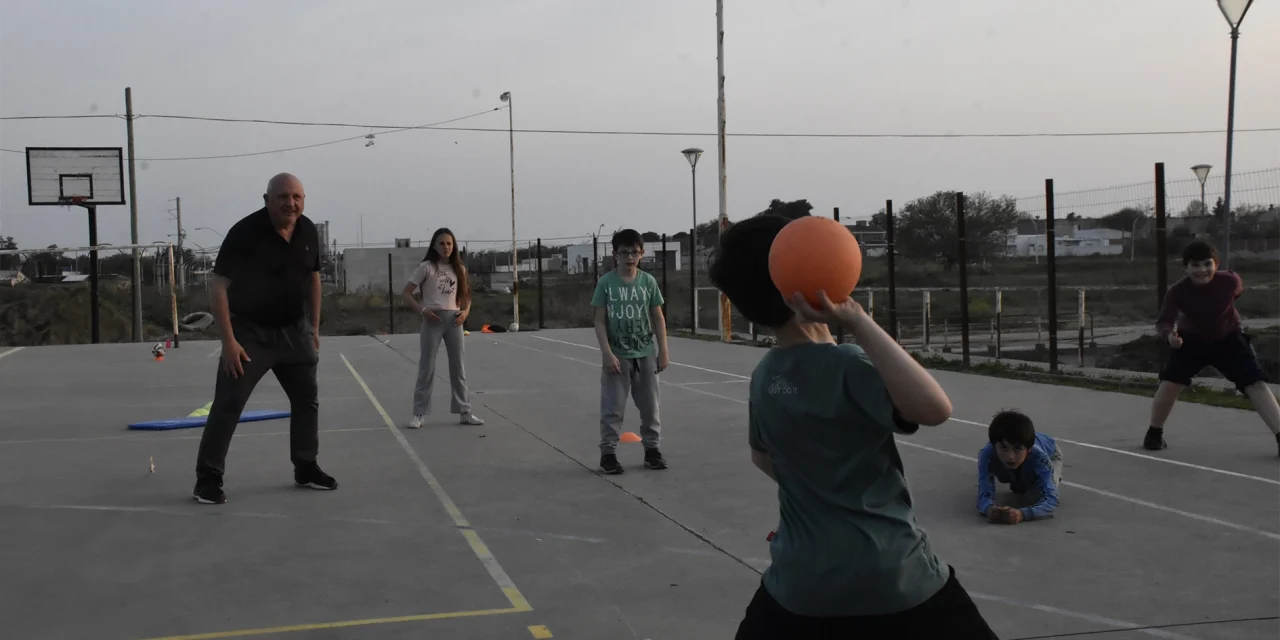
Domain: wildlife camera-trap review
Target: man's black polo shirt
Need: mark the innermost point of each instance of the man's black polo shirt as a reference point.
(270, 277)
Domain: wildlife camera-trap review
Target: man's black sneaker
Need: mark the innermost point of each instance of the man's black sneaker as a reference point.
(311, 476)
(1154, 440)
(609, 464)
(209, 492)
(653, 459)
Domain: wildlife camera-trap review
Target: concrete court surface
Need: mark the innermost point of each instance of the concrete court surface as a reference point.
(429, 526)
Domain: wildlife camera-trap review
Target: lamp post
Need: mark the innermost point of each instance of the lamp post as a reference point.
(1233, 11)
(1202, 174)
(692, 154)
(515, 268)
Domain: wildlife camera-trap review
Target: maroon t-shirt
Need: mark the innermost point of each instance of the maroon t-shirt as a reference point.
(1204, 312)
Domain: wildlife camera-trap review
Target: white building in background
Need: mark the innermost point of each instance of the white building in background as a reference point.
(578, 256)
(1077, 242)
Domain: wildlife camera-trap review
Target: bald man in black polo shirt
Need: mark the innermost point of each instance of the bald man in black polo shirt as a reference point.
(266, 283)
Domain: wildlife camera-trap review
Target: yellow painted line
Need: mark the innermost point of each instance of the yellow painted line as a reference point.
(11, 351)
(540, 632)
(518, 601)
(342, 624)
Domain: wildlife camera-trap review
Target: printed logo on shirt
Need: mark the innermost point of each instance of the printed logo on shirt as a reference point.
(780, 386)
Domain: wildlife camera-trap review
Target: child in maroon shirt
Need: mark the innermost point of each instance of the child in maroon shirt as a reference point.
(1200, 321)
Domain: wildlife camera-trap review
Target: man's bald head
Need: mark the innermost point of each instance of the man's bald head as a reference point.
(285, 199)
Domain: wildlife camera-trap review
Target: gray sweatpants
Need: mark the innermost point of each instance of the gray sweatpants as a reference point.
(429, 339)
(639, 379)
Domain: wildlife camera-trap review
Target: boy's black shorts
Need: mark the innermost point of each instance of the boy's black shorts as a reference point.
(1232, 356)
(949, 614)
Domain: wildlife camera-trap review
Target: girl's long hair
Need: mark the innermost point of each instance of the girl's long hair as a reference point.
(455, 261)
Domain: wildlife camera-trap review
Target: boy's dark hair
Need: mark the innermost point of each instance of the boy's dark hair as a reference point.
(627, 238)
(1013, 427)
(740, 268)
(1199, 250)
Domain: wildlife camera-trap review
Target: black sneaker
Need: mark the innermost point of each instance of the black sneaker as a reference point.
(1154, 440)
(209, 492)
(609, 464)
(653, 459)
(311, 476)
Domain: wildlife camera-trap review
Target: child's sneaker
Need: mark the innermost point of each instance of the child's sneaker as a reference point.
(610, 465)
(1155, 439)
(415, 423)
(469, 418)
(653, 459)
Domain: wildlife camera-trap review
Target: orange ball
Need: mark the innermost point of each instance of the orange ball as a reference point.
(814, 254)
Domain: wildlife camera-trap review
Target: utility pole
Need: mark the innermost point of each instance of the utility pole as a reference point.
(180, 264)
(726, 324)
(133, 220)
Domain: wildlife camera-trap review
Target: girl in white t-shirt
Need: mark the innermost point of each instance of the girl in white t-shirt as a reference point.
(445, 305)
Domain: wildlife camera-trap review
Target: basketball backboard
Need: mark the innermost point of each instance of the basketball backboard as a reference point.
(55, 175)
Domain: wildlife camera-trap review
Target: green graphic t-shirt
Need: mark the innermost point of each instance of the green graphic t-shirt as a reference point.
(627, 306)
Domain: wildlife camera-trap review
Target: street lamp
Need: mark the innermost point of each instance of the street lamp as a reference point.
(1233, 11)
(692, 154)
(515, 268)
(1202, 174)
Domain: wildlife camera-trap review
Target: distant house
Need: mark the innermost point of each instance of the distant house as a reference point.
(1079, 237)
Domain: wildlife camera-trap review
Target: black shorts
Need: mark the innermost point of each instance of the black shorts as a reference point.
(949, 614)
(1232, 356)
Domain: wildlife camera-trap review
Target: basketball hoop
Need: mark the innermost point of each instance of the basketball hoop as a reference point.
(73, 201)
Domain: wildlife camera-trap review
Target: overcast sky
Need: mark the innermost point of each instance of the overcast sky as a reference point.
(803, 66)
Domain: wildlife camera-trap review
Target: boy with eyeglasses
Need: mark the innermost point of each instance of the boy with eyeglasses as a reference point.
(632, 334)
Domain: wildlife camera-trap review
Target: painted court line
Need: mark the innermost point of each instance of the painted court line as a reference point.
(340, 625)
(1123, 498)
(518, 601)
(1109, 494)
(11, 352)
(1111, 622)
(168, 438)
(540, 632)
(1147, 457)
(983, 424)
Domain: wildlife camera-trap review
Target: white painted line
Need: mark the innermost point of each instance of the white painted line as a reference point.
(1122, 498)
(144, 438)
(1111, 622)
(1147, 457)
(1152, 505)
(597, 364)
(11, 352)
(678, 364)
(980, 424)
(216, 351)
(468, 532)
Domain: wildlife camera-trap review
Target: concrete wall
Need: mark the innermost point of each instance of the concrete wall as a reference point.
(367, 268)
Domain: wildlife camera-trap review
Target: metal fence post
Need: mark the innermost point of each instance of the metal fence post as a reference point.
(1050, 253)
(542, 320)
(893, 298)
(964, 281)
(391, 305)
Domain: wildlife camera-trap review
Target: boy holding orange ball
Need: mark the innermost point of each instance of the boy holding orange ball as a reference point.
(847, 558)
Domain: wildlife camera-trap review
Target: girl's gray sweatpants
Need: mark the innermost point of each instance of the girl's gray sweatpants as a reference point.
(638, 379)
(430, 337)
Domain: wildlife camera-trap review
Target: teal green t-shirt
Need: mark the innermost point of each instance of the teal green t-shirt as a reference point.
(847, 543)
(627, 306)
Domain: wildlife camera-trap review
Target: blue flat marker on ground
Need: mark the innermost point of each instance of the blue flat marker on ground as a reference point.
(199, 421)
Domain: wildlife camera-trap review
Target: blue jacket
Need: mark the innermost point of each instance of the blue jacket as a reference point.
(1035, 474)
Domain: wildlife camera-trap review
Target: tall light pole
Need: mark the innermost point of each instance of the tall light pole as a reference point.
(515, 267)
(1233, 11)
(692, 154)
(726, 325)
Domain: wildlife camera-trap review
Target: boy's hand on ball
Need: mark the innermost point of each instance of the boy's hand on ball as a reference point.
(847, 313)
